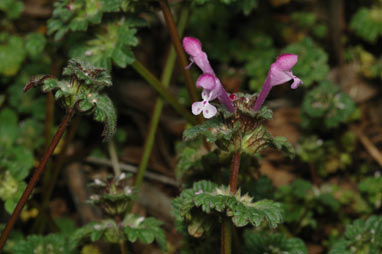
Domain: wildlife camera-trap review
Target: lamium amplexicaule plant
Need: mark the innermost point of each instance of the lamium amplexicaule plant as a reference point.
(234, 129)
(226, 205)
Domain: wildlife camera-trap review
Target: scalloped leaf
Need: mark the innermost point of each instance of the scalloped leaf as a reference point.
(208, 198)
(145, 230)
(258, 242)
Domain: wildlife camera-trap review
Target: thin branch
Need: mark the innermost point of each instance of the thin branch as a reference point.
(36, 175)
(178, 48)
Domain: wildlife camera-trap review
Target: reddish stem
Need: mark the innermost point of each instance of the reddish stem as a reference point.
(235, 165)
(178, 48)
(226, 231)
(36, 175)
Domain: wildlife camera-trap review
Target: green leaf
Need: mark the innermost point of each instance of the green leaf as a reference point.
(9, 130)
(50, 84)
(12, 54)
(111, 5)
(208, 129)
(105, 112)
(326, 103)
(13, 8)
(240, 208)
(367, 23)
(52, 243)
(282, 144)
(260, 242)
(111, 44)
(66, 225)
(361, 235)
(35, 44)
(144, 229)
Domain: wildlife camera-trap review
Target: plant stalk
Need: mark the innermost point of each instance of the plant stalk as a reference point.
(226, 234)
(178, 48)
(235, 165)
(123, 248)
(165, 80)
(114, 158)
(226, 237)
(157, 85)
(36, 175)
(49, 183)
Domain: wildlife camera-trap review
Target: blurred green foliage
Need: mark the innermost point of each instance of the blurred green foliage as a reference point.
(362, 236)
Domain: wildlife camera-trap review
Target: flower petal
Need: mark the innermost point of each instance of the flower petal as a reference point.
(206, 81)
(202, 62)
(197, 107)
(278, 77)
(285, 62)
(192, 46)
(296, 82)
(209, 110)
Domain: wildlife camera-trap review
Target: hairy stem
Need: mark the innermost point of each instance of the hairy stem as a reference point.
(179, 49)
(157, 85)
(36, 175)
(226, 232)
(165, 80)
(235, 165)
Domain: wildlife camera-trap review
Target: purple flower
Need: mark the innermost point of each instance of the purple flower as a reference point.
(209, 93)
(212, 87)
(279, 73)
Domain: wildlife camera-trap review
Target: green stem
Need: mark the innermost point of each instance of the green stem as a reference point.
(157, 85)
(165, 80)
(114, 158)
(179, 49)
(123, 248)
(226, 236)
(36, 175)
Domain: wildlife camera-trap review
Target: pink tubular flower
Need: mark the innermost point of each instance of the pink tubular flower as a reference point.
(212, 87)
(279, 73)
(193, 47)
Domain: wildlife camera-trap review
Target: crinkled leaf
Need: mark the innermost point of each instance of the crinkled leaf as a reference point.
(208, 198)
(359, 236)
(105, 113)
